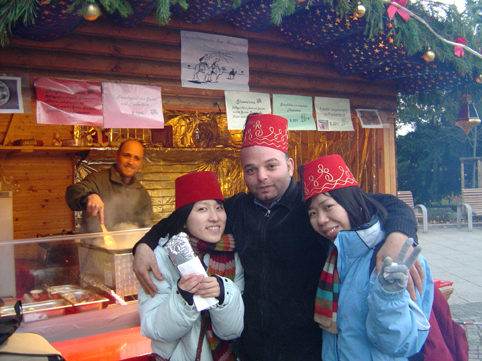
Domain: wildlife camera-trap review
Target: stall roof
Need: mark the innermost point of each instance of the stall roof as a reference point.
(372, 46)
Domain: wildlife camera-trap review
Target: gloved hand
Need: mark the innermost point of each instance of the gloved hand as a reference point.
(393, 276)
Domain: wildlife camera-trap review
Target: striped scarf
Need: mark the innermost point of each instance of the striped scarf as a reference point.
(221, 263)
(326, 304)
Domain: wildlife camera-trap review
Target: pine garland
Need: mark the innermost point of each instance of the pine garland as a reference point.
(414, 35)
(281, 8)
(14, 12)
(163, 11)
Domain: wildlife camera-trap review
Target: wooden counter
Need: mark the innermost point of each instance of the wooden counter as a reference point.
(125, 345)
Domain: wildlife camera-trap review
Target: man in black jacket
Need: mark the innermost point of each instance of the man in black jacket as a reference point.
(281, 254)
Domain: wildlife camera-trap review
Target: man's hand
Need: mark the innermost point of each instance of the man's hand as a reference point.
(94, 206)
(145, 261)
(391, 248)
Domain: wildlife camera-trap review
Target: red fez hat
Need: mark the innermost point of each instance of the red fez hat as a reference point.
(266, 130)
(326, 174)
(197, 186)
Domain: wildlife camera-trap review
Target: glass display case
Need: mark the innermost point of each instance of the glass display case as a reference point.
(78, 282)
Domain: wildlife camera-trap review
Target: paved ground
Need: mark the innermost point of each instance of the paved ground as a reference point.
(455, 255)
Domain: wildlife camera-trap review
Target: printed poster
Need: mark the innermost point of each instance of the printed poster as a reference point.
(214, 61)
(132, 106)
(71, 102)
(369, 118)
(297, 109)
(11, 100)
(240, 104)
(333, 114)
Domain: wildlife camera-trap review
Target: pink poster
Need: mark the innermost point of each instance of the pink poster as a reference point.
(73, 102)
(132, 106)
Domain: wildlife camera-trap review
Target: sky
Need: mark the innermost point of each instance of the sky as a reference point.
(459, 3)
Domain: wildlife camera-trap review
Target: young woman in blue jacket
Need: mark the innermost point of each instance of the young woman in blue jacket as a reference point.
(171, 319)
(364, 316)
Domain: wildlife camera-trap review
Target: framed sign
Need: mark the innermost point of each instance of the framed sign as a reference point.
(11, 94)
(369, 118)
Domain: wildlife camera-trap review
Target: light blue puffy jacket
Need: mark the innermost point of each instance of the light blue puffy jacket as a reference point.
(374, 324)
(174, 326)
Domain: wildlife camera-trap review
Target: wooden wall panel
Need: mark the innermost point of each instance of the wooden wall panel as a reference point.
(39, 206)
(24, 126)
(150, 54)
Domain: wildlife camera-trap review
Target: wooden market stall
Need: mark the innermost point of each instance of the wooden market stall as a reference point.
(149, 54)
(196, 136)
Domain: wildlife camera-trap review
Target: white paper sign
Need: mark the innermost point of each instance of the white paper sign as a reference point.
(195, 266)
(333, 114)
(297, 109)
(240, 104)
(132, 106)
(214, 61)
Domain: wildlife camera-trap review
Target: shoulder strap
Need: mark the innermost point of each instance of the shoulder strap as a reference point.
(373, 260)
(204, 315)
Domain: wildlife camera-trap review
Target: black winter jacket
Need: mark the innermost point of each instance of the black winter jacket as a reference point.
(282, 258)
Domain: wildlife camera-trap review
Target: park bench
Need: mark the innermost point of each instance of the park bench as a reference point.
(472, 201)
(419, 209)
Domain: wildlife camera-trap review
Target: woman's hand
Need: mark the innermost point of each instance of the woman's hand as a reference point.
(391, 248)
(394, 275)
(209, 288)
(190, 282)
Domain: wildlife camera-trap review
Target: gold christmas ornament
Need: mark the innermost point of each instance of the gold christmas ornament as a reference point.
(428, 56)
(92, 12)
(360, 10)
(478, 79)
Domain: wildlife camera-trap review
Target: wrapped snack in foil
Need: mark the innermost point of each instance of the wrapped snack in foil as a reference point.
(186, 261)
(179, 249)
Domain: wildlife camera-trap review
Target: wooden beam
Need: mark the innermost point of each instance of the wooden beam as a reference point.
(15, 119)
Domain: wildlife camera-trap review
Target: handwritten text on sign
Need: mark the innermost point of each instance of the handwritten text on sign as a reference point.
(240, 104)
(333, 114)
(132, 106)
(297, 109)
(62, 101)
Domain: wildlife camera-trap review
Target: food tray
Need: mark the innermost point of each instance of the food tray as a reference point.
(54, 291)
(38, 310)
(84, 300)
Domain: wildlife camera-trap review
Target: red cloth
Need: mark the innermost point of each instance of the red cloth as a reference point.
(326, 174)
(266, 130)
(446, 340)
(197, 186)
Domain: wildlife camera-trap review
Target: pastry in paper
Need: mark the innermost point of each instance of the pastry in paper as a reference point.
(183, 257)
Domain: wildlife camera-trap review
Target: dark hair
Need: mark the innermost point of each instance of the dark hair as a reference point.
(125, 141)
(177, 219)
(359, 205)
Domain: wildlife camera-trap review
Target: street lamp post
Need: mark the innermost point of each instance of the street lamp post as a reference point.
(468, 119)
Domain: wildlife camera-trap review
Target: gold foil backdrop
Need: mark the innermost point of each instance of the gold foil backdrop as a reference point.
(356, 147)
(202, 141)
